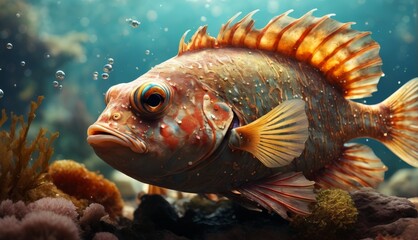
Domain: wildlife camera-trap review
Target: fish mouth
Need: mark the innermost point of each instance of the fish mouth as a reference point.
(101, 136)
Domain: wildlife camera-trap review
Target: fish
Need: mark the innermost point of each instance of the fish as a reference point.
(262, 116)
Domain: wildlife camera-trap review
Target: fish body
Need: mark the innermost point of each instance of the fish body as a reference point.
(259, 116)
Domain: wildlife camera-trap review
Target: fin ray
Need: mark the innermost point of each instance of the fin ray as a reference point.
(281, 193)
(402, 138)
(342, 54)
(357, 167)
(290, 124)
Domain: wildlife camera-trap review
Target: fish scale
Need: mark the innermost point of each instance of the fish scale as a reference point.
(262, 116)
(305, 86)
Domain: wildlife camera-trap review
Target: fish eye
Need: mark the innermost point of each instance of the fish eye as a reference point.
(154, 100)
(151, 99)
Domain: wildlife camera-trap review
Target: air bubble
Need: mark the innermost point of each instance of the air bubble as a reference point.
(107, 68)
(1, 93)
(60, 75)
(110, 60)
(134, 23)
(9, 46)
(147, 52)
(55, 84)
(95, 75)
(105, 76)
(22, 63)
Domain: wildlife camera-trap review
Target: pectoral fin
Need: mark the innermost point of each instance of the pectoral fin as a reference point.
(277, 137)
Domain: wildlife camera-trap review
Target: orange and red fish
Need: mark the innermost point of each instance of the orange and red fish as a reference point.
(263, 116)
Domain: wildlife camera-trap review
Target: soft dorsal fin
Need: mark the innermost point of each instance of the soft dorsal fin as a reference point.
(349, 59)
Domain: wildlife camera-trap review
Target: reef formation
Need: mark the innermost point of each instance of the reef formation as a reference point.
(64, 198)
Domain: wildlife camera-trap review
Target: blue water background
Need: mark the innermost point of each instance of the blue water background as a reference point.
(392, 22)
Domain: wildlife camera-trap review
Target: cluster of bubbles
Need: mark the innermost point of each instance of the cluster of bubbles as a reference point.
(9, 46)
(134, 23)
(107, 68)
(60, 76)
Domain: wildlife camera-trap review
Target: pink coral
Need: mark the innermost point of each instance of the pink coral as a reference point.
(10, 228)
(48, 225)
(59, 206)
(17, 209)
(92, 214)
(104, 236)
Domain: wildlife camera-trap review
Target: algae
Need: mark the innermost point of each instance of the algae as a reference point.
(333, 217)
(24, 163)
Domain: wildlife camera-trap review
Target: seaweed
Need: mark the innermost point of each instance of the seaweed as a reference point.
(23, 163)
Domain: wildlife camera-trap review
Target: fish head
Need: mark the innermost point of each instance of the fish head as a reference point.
(157, 126)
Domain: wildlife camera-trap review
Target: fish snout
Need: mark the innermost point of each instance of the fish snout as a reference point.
(102, 136)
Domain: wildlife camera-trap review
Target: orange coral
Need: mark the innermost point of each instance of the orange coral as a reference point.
(75, 180)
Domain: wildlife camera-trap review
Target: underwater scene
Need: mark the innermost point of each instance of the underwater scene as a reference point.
(182, 119)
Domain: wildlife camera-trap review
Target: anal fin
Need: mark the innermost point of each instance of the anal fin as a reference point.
(281, 193)
(357, 167)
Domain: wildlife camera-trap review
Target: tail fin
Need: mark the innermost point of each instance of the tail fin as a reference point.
(403, 136)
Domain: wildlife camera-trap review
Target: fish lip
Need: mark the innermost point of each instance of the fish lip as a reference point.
(99, 134)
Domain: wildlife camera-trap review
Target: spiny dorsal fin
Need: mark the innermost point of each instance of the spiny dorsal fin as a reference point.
(348, 58)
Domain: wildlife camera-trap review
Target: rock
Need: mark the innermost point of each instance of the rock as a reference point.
(378, 211)
(155, 213)
(403, 228)
(404, 183)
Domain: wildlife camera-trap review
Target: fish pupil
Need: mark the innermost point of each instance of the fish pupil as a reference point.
(154, 100)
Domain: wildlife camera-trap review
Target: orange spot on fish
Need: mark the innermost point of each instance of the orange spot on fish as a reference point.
(169, 137)
(189, 124)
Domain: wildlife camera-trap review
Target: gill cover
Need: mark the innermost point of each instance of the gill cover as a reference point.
(219, 116)
(151, 99)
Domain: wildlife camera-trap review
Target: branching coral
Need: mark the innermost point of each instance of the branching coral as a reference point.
(23, 164)
(332, 217)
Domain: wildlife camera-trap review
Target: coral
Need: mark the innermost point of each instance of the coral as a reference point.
(92, 214)
(75, 180)
(46, 218)
(9, 228)
(17, 209)
(48, 225)
(332, 216)
(23, 165)
(104, 236)
(59, 206)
